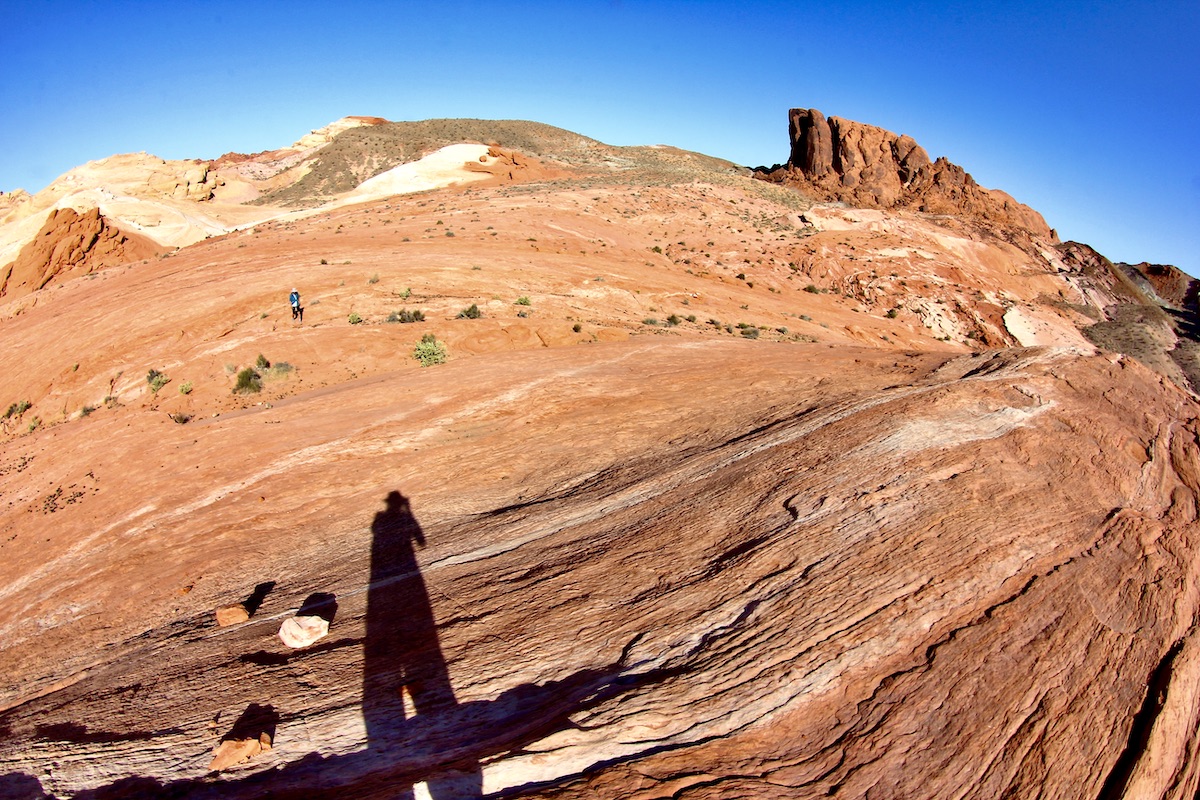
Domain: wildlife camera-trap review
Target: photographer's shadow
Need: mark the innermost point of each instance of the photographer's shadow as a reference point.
(405, 676)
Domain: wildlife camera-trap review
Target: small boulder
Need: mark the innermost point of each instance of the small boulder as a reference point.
(297, 632)
(232, 615)
(235, 751)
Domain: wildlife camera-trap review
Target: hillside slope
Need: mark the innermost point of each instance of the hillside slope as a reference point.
(722, 491)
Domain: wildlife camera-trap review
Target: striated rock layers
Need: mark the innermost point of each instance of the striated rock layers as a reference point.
(68, 245)
(838, 159)
(870, 574)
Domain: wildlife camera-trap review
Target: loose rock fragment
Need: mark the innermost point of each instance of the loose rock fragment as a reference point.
(232, 614)
(235, 751)
(297, 632)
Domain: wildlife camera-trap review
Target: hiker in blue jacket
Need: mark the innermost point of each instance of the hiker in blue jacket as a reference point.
(297, 311)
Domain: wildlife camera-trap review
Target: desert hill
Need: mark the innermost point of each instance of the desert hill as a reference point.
(727, 487)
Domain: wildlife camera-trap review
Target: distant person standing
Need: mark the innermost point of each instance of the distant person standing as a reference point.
(297, 311)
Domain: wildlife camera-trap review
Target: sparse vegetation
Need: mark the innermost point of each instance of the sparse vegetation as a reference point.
(650, 321)
(248, 382)
(373, 279)
(577, 327)
(750, 333)
(354, 318)
(17, 409)
(523, 300)
(406, 316)
(261, 362)
(812, 289)
(185, 387)
(86, 410)
(157, 380)
(429, 351)
(673, 320)
(471, 312)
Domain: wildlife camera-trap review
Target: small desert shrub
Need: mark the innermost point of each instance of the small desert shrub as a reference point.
(248, 382)
(690, 317)
(324, 261)
(577, 327)
(891, 314)
(373, 279)
(471, 312)
(86, 410)
(17, 409)
(656, 249)
(750, 333)
(157, 380)
(673, 320)
(185, 387)
(650, 321)
(281, 368)
(354, 318)
(812, 289)
(33, 426)
(523, 300)
(180, 417)
(429, 351)
(407, 293)
(405, 316)
(261, 362)
(806, 317)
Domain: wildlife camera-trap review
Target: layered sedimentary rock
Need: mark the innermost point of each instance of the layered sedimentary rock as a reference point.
(723, 494)
(867, 166)
(68, 245)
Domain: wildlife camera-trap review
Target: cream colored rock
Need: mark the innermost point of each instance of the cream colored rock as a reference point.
(297, 632)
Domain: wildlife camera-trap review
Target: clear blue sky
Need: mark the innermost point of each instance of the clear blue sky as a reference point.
(1087, 111)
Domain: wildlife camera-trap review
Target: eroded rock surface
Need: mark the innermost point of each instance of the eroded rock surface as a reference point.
(843, 160)
(70, 245)
(725, 493)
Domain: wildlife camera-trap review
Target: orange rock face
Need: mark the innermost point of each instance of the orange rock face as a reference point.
(724, 493)
(838, 159)
(70, 245)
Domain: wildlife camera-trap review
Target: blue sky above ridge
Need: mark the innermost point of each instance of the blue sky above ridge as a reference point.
(1087, 112)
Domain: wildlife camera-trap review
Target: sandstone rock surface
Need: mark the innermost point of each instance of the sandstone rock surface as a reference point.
(70, 245)
(843, 160)
(727, 493)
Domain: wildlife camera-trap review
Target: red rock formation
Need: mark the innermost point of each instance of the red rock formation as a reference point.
(838, 159)
(71, 244)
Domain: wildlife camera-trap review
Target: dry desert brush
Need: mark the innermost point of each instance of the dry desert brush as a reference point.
(430, 351)
(248, 382)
